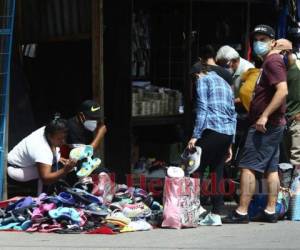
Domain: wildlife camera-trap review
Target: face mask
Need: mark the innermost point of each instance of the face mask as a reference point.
(286, 60)
(90, 125)
(230, 70)
(261, 48)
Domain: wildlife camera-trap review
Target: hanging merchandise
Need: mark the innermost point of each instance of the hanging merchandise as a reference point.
(282, 20)
(140, 45)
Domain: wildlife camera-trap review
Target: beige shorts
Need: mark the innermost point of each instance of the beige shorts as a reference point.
(294, 141)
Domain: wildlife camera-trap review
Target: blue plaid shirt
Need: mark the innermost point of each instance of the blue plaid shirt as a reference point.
(214, 106)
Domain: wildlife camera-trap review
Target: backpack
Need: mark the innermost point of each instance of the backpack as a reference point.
(249, 79)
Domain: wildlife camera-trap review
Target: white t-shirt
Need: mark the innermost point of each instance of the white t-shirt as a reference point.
(32, 149)
(242, 68)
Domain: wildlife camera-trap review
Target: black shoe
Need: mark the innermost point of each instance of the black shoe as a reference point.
(236, 218)
(265, 217)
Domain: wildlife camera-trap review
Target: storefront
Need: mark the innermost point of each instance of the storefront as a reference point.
(69, 51)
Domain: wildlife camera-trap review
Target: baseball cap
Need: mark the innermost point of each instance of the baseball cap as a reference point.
(283, 44)
(265, 30)
(91, 109)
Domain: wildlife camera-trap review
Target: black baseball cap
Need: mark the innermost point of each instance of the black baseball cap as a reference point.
(91, 109)
(265, 30)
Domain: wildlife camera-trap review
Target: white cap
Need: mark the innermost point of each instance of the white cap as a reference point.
(227, 53)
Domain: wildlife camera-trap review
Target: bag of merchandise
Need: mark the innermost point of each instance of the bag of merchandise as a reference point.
(181, 202)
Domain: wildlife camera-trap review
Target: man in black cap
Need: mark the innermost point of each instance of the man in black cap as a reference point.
(87, 126)
(267, 119)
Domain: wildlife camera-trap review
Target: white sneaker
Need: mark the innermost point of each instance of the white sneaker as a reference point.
(202, 212)
(211, 220)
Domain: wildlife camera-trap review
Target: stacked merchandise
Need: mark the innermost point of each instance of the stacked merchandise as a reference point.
(93, 205)
(75, 210)
(155, 101)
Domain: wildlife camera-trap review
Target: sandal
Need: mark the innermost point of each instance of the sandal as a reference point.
(84, 196)
(82, 152)
(88, 167)
(65, 213)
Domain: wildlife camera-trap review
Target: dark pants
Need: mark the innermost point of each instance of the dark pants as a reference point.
(214, 152)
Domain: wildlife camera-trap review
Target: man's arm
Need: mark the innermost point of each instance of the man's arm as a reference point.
(100, 133)
(277, 100)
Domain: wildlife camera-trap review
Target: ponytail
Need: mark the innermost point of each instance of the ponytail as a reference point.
(58, 124)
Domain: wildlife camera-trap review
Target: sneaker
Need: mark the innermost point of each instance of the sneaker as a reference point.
(211, 220)
(139, 210)
(119, 217)
(236, 218)
(265, 217)
(202, 213)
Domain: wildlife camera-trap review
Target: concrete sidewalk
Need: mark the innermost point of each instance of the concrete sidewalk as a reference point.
(283, 235)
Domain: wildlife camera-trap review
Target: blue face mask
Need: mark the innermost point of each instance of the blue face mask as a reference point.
(261, 48)
(286, 60)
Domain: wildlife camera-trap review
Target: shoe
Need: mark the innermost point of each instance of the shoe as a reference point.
(138, 210)
(211, 220)
(82, 152)
(88, 167)
(117, 216)
(265, 217)
(202, 213)
(236, 218)
(139, 225)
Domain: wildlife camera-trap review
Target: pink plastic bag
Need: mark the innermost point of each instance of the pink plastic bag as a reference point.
(181, 202)
(104, 187)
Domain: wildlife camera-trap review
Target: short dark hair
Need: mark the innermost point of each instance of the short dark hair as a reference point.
(57, 124)
(207, 51)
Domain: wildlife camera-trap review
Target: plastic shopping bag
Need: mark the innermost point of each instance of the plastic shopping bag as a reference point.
(181, 202)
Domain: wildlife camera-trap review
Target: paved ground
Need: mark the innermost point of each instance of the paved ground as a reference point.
(283, 235)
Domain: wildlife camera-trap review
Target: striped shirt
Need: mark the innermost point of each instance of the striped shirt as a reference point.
(214, 106)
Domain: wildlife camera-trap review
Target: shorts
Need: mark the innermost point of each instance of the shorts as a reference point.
(261, 150)
(294, 139)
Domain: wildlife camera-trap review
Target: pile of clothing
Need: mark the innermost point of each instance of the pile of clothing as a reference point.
(76, 210)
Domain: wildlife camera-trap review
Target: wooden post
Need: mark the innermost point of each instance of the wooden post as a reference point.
(97, 57)
(117, 75)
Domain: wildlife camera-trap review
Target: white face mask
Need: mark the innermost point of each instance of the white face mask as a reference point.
(90, 125)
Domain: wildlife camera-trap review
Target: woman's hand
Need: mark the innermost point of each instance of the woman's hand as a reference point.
(192, 143)
(63, 161)
(70, 164)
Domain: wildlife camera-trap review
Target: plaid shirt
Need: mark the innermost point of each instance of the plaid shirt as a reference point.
(214, 106)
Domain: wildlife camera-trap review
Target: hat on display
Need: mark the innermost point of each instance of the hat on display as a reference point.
(192, 159)
(265, 30)
(283, 44)
(91, 109)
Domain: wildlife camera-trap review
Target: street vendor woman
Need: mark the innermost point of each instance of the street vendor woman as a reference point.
(37, 155)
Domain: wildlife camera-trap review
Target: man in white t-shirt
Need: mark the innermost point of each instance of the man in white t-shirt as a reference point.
(229, 58)
(34, 157)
